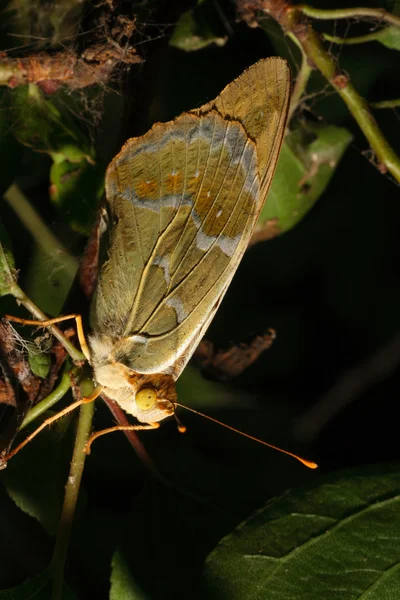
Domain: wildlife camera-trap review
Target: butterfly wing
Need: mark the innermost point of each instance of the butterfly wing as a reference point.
(259, 100)
(182, 202)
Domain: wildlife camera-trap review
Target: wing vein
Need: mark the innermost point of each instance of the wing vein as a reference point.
(189, 273)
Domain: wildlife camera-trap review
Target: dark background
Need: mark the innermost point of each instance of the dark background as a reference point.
(330, 288)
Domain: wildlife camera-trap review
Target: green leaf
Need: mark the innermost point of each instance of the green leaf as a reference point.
(50, 270)
(39, 124)
(336, 539)
(39, 363)
(196, 29)
(389, 37)
(47, 279)
(7, 267)
(76, 190)
(203, 393)
(123, 586)
(36, 588)
(76, 181)
(304, 169)
(35, 478)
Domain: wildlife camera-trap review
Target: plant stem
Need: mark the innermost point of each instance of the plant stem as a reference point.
(50, 244)
(351, 41)
(379, 14)
(40, 232)
(293, 23)
(70, 500)
(395, 103)
(20, 295)
(302, 78)
(56, 395)
(291, 19)
(357, 105)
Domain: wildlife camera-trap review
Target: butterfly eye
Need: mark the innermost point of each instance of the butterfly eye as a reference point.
(146, 398)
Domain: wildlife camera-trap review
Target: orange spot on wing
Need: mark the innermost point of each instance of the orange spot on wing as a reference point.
(145, 189)
(173, 181)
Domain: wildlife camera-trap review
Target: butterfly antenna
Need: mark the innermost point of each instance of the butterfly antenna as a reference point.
(180, 426)
(307, 463)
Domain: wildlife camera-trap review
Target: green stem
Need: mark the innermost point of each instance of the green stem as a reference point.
(70, 500)
(380, 14)
(302, 78)
(357, 105)
(20, 295)
(40, 232)
(386, 103)
(56, 395)
(360, 39)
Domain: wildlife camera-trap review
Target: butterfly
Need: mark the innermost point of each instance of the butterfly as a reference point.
(181, 204)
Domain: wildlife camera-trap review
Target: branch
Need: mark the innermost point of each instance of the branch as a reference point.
(357, 105)
(51, 70)
(395, 103)
(378, 14)
(302, 78)
(70, 499)
(292, 21)
(50, 400)
(351, 41)
(348, 387)
(20, 295)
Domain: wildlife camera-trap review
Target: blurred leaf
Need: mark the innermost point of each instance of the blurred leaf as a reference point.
(203, 393)
(196, 29)
(65, 17)
(35, 478)
(47, 280)
(303, 172)
(77, 182)
(50, 268)
(123, 586)
(7, 277)
(37, 588)
(333, 540)
(39, 124)
(76, 190)
(389, 37)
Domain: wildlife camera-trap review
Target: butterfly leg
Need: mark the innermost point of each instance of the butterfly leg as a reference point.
(79, 327)
(96, 392)
(118, 428)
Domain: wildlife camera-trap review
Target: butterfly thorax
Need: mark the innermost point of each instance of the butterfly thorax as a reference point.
(122, 384)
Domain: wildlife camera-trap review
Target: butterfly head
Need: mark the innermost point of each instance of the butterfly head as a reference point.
(150, 397)
(154, 396)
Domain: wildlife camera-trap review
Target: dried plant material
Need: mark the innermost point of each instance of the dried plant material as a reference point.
(224, 365)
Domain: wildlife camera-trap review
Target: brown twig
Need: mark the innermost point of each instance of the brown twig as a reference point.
(51, 70)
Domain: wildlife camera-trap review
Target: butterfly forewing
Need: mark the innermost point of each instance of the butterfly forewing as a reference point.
(182, 202)
(259, 99)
